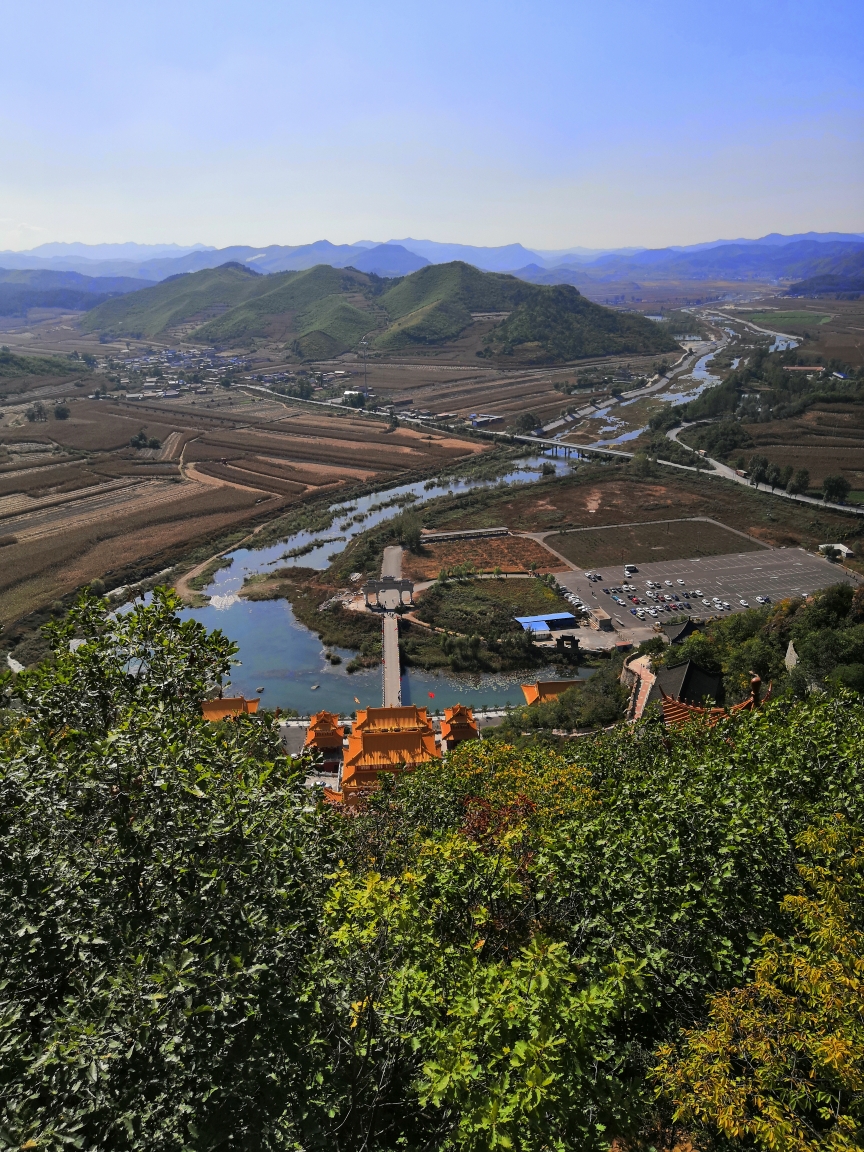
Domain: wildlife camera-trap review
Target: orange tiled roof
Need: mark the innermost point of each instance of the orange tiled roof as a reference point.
(458, 725)
(397, 718)
(545, 690)
(387, 740)
(222, 708)
(324, 731)
(676, 713)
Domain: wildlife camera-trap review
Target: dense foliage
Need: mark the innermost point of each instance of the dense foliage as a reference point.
(558, 323)
(764, 389)
(782, 1059)
(11, 364)
(597, 703)
(197, 955)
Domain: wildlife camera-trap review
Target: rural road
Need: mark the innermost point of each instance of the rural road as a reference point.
(730, 474)
(677, 369)
(391, 565)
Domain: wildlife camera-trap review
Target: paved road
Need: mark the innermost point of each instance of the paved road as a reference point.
(391, 565)
(679, 368)
(390, 644)
(730, 474)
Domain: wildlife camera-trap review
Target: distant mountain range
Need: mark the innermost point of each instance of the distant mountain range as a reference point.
(323, 311)
(21, 290)
(842, 274)
(770, 257)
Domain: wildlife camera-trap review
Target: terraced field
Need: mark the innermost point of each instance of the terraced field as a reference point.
(79, 501)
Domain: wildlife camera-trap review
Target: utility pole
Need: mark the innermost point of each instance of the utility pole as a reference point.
(364, 344)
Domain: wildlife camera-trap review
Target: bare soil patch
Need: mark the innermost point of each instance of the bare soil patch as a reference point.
(509, 553)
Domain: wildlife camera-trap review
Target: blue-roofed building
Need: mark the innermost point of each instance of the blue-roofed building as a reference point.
(550, 622)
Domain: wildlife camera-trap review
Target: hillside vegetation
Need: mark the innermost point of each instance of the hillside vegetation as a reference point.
(324, 311)
(518, 948)
(558, 323)
(435, 304)
(178, 300)
(13, 365)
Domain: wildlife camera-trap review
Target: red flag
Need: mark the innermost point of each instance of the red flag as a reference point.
(431, 695)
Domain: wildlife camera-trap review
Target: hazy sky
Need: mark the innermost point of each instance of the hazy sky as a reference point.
(565, 122)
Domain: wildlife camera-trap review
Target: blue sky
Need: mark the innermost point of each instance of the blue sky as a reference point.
(598, 123)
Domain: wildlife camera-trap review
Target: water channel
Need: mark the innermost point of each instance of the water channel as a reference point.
(286, 659)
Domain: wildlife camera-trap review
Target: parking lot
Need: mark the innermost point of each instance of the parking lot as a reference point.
(776, 572)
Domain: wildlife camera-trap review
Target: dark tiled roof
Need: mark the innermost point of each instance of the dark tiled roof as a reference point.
(687, 682)
(679, 632)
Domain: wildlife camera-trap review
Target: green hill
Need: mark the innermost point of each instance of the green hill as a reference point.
(322, 300)
(557, 323)
(323, 311)
(177, 300)
(435, 304)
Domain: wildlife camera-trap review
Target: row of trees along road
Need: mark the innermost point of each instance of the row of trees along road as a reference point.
(500, 952)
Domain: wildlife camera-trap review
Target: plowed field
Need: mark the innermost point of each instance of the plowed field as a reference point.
(91, 505)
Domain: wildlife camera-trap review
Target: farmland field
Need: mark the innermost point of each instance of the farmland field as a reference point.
(780, 319)
(509, 553)
(641, 543)
(81, 502)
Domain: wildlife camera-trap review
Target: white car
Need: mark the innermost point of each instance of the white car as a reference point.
(760, 599)
(727, 605)
(707, 603)
(697, 592)
(668, 583)
(652, 611)
(744, 603)
(681, 582)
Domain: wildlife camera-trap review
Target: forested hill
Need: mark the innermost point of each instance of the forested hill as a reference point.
(843, 273)
(324, 311)
(21, 290)
(555, 945)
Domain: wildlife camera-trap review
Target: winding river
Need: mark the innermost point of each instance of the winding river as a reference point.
(286, 659)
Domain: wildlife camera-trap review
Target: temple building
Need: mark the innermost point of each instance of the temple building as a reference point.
(676, 713)
(458, 726)
(326, 735)
(223, 707)
(543, 691)
(684, 683)
(394, 739)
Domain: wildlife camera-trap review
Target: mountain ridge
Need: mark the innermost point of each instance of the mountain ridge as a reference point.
(504, 258)
(321, 312)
